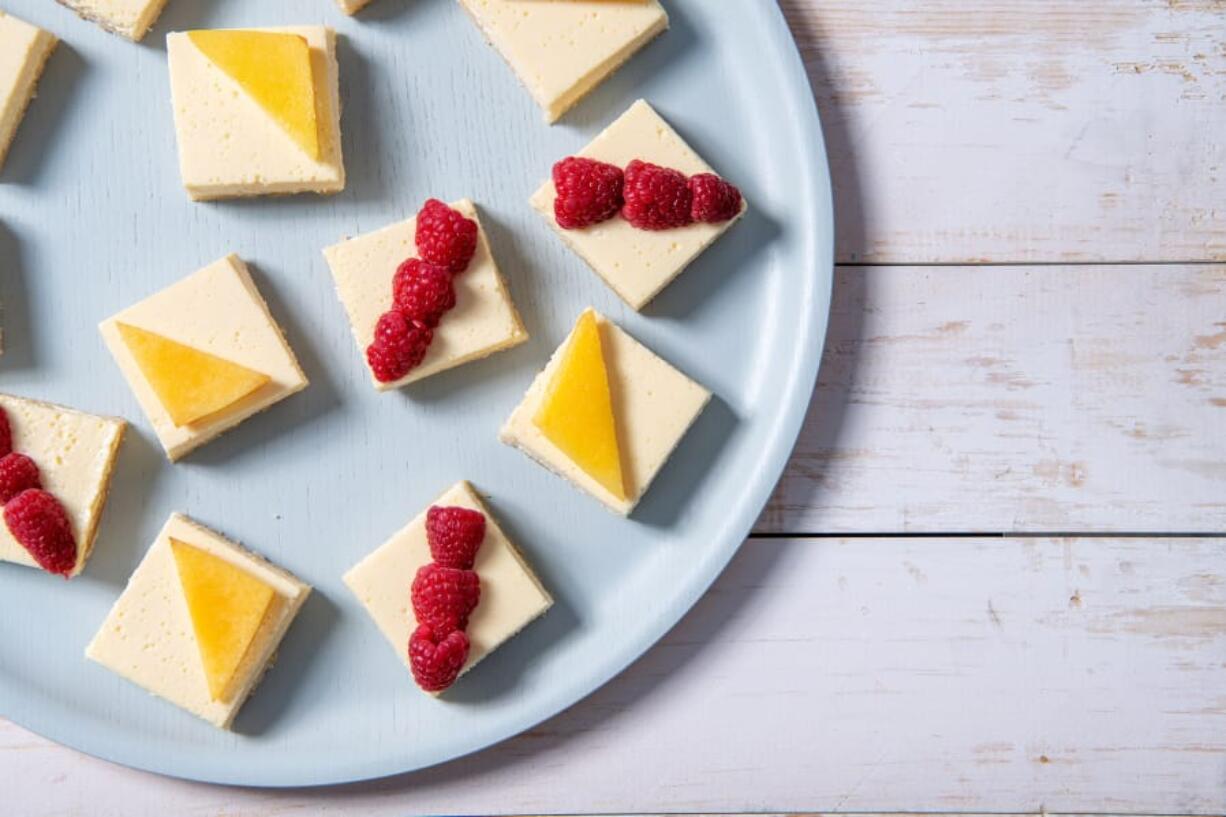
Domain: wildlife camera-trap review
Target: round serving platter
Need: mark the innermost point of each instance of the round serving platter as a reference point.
(93, 218)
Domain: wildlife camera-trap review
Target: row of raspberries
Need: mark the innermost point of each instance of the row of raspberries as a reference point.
(422, 291)
(445, 593)
(36, 519)
(648, 196)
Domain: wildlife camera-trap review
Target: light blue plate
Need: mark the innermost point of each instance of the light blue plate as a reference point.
(93, 218)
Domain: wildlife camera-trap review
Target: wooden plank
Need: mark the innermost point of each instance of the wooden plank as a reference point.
(947, 674)
(992, 399)
(1021, 130)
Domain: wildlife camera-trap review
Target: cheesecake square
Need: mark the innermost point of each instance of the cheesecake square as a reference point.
(653, 405)
(75, 453)
(216, 333)
(511, 595)
(636, 263)
(24, 50)
(483, 321)
(128, 18)
(352, 6)
(150, 636)
(231, 143)
(562, 49)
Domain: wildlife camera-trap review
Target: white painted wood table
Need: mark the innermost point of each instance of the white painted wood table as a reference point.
(992, 578)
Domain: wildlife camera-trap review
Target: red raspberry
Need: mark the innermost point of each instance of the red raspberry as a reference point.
(436, 662)
(715, 200)
(444, 597)
(454, 535)
(589, 192)
(399, 346)
(657, 198)
(423, 291)
(445, 237)
(17, 473)
(37, 520)
(6, 434)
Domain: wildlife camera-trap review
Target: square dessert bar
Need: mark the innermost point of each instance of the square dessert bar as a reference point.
(207, 341)
(129, 18)
(240, 131)
(24, 50)
(483, 321)
(152, 635)
(562, 49)
(637, 264)
(653, 406)
(511, 596)
(352, 6)
(75, 454)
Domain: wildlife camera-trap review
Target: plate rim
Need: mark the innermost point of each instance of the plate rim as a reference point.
(800, 381)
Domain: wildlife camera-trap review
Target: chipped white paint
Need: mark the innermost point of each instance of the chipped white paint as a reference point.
(837, 674)
(998, 399)
(1022, 130)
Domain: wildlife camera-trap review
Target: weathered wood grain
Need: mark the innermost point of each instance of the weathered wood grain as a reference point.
(1022, 130)
(933, 673)
(1051, 399)
(836, 675)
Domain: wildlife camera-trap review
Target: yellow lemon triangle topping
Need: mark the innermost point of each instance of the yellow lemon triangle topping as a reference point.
(227, 605)
(190, 384)
(275, 70)
(576, 413)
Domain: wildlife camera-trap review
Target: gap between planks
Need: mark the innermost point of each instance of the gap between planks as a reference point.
(1039, 399)
(988, 535)
(1036, 131)
(962, 675)
(1024, 264)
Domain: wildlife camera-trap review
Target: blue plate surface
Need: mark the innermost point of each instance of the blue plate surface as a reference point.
(93, 218)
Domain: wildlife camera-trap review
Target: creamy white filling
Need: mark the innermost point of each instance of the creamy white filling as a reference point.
(75, 454)
(24, 50)
(483, 321)
(148, 637)
(130, 18)
(229, 146)
(561, 49)
(653, 406)
(511, 596)
(217, 310)
(636, 263)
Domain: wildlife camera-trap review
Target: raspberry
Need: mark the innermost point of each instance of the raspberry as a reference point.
(399, 345)
(17, 473)
(37, 520)
(445, 237)
(454, 535)
(657, 198)
(423, 291)
(436, 662)
(714, 199)
(6, 434)
(589, 192)
(444, 597)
